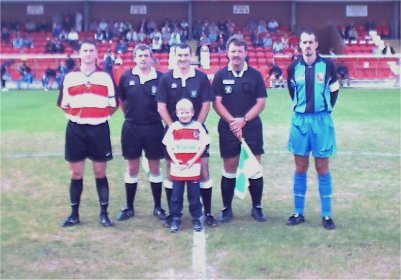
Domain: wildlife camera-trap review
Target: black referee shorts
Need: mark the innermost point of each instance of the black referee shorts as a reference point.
(88, 141)
(135, 138)
(230, 146)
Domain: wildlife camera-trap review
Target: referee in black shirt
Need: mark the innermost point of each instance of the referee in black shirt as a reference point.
(240, 97)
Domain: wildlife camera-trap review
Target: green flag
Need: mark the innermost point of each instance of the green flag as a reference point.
(248, 166)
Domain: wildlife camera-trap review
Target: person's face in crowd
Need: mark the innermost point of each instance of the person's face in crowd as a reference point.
(88, 54)
(143, 59)
(237, 55)
(308, 44)
(183, 57)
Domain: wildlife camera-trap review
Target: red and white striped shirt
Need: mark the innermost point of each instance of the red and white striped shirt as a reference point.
(186, 141)
(88, 99)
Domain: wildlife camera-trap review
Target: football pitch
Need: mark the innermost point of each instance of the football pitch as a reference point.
(366, 203)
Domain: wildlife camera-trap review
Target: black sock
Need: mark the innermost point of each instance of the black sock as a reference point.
(157, 193)
(206, 195)
(256, 191)
(76, 187)
(227, 191)
(130, 192)
(102, 187)
(169, 192)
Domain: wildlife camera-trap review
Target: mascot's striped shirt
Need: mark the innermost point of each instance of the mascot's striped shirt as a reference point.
(186, 140)
(88, 99)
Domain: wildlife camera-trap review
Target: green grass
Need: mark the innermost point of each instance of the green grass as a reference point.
(366, 204)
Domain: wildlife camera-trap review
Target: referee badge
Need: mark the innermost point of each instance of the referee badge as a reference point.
(194, 93)
(131, 83)
(153, 90)
(88, 84)
(173, 85)
(228, 89)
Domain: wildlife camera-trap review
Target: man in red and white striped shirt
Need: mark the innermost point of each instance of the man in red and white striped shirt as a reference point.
(88, 99)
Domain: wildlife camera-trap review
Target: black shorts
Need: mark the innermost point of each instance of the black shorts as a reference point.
(135, 138)
(88, 141)
(205, 154)
(230, 146)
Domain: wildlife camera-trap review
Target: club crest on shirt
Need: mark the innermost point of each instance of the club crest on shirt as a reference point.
(88, 84)
(196, 134)
(131, 83)
(228, 89)
(173, 85)
(154, 90)
(320, 77)
(194, 93)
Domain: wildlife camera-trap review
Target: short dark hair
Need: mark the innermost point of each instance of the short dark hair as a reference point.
(90, 42)
(309, 31)
(237, 41)
(183, 46)
(142, 47)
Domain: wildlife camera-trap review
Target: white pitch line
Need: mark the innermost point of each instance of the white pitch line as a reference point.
(199, 254)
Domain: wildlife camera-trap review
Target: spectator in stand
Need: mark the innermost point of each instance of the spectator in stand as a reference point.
(25, 75)
(69, 63)
(108, 61)
(342, 33)
(14, 25)
(49, 78)
(157, 42)
(273, 26)
(276, 76)
(132, 36)
(278, 47)
(78, 21)
(73, 39)
(203, 41)
(175, 38)
(262, 28)
(57, 29)
(68, 21)
(150, 26)
(122, 46)
(28, 41)
(267, 41)
(45, 26)
(103, 25)
(30, 26)
(285, 40)
(252, 26)
(55, 46)
(99, 36)
(5, 73)
(388, 49)
(5, 35)
(18, 41)
(61, 71)
(221, 47)
(213, 36)
(350, 32)
(141, 35)
(93, 26)
(184, 26)
(63, 35)
(118, 60)
(197, 30)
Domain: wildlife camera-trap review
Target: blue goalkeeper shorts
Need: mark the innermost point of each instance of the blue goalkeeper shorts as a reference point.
(312, 132)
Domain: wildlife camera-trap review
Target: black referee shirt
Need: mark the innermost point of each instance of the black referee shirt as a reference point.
(239, 93)
(196, 87)
(139, 99)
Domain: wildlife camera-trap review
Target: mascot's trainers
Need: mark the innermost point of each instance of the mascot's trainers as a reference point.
(167, 221)
(104, 220)
(328, 223)
(70, 221)
(125, 214)
(210, 221)
(175, 225)
(197, 225)
(160, 213)
(295, 219)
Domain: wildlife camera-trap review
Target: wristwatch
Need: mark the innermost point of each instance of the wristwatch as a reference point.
(245, 119)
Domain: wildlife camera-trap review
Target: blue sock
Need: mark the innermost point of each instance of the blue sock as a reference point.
(299, 192)
(326, 191)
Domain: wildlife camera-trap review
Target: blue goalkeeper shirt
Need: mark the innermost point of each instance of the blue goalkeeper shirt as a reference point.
(313, 88)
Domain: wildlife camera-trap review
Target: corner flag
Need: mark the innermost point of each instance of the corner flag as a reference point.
(248, 166)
